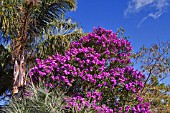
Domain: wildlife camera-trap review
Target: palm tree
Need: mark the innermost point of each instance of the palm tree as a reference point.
(25, 21)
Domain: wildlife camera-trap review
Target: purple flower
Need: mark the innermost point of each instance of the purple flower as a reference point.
(82, 71)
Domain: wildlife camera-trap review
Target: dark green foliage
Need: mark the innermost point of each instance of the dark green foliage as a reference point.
(6, 80)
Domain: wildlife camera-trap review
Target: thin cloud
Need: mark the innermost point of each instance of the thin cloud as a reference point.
(155, 8)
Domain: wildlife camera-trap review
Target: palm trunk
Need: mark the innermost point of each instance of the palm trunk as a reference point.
(19, 55)
(19, 74)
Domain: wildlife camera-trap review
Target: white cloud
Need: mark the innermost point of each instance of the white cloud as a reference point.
(155, 8)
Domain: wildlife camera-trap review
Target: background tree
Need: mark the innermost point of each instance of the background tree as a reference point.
(155, 64)
(24, 21)
(5, 70)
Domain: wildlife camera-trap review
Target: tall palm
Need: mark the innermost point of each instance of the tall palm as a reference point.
(23, 21)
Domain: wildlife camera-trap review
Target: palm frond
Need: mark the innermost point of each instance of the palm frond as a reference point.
(52, 45)
(48, 11)
(37, 13)
(56, 38)
(10, 17)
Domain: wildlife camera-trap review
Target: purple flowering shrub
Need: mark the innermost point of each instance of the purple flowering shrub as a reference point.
(96, 74)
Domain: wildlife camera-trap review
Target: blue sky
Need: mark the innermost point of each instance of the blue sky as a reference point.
(145, 21)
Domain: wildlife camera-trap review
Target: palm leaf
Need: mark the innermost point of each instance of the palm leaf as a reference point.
(56, 39)
(38, 13)
(48, 11)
